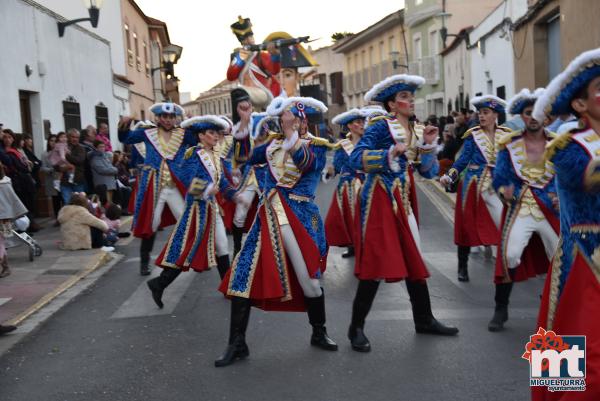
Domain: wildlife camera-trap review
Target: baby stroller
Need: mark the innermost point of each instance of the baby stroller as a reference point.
(18, 236)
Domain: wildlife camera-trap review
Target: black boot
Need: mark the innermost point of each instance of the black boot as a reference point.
(316, 317)
(349, 253)
(463, 263)
(501, 312)
(145, 249)
(158, 284)
(237, 233)
(237, 347)
(6, 329)
(222, 265)
(365, 294)
(425, 323)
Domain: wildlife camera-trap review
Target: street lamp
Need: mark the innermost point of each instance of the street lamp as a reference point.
(169, 55)
(93, 7)
(395, 55)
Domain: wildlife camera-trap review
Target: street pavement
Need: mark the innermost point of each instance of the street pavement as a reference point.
(110, 342)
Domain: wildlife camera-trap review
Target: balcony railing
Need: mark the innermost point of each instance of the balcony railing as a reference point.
(427, 67)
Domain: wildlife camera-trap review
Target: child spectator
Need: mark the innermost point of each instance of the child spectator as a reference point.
(58, 159)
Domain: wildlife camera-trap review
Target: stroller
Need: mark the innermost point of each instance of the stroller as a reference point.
(19, 237)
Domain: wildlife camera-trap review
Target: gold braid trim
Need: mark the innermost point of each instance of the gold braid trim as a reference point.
(508, 138)
(560, 142)
(190, 151)
(378, 118)
(323, 142)
(470, 131)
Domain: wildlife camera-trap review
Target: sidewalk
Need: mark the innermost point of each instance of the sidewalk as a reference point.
(32, 285)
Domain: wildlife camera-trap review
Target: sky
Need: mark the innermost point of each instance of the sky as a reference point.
(202, 27)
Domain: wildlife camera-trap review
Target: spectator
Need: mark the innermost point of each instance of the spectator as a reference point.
(76, 158)
(112, 218)
(104, 136)
(28, 149)
(4, 159)
(58, 160)
(75, 223)
(103, 171)
(12, 208)
(19, 172)
(121, 162)
(88, 136)
(446, 156)
(48, 170)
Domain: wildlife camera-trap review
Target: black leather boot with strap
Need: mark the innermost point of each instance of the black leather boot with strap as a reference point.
(365, 294)
(145, 249)
(316, 316)
(425, 323)
(158, 284)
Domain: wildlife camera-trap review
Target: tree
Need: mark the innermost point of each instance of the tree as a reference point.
(340, 35)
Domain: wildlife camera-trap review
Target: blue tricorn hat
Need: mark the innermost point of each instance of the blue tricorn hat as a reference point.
(166, 108)
(347, 117)
(523, 99)
(563, 88)
(203, 123)
(262, 123)
(299, 106)
(387, 88)
(489, 102)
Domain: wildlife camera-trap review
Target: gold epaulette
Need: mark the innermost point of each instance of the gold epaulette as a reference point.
(470, 131)
(190, 151)
(317, 141)
(349, 135)
(226, 146)
(378, 118)
(508, 138)
(505, 129)
(273, 135)
(559, 142)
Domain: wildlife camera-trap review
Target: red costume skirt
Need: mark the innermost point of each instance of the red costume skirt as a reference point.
(385, 247)
(339, 223)
(473, 224)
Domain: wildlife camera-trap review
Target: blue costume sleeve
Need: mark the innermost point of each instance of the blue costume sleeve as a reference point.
(466, 155)
(339, 159)
(429, 166)
(226, 188)
(504, 173)
(131, 137)
(371, 153)
(259, 154)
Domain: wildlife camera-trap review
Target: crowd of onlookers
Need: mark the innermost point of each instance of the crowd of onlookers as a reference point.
(87, 181)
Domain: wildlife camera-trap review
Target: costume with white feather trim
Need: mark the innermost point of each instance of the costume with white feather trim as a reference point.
(473, 220)
(191, 244)
(262, 271)
(523, 99)
(339, 222)
(489, 102)
(571, 299)
(534, 190)
(398, 257)
(162, 167)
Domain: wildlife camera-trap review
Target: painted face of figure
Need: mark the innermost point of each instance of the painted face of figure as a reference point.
(487, 117)
(249, 40)
(289, 81)
(403, 104)
(590, 106)
(167, 121)
(209, 138)
(357, 126)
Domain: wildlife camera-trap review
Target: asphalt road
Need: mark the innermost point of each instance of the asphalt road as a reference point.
(112, 343)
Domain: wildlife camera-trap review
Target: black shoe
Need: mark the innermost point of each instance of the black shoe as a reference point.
(463, 275)
(238, 349)
(157, 292)
(435, 327)
(321, 340)
(500, 317)
(358, 340)
(6, 329)
(349, 253)
(144, 269)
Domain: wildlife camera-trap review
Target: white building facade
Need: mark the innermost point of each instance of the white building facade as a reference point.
(49, 83)
(491, 52)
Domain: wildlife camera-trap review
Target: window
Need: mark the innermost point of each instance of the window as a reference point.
(101, 114)
(554, 66)
(137, 52)
(71, 113)
(417, 48)
(147, 65)
(129, 51)
(143, 114)
(371, 56)
(391, 44)
(337, 94)
(433, 43)
(381, 52)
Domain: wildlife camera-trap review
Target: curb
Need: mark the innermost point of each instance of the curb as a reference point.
(97, 262)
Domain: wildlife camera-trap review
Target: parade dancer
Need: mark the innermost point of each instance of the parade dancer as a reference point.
(255, 71)
(478, 208)
(225, 146)
(285, 251)
(159, 196)
(571, 300)
(524, 180)
(339, 223)
(199, 240)
(387, 242)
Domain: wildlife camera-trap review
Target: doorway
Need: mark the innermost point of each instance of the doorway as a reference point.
(25, 106)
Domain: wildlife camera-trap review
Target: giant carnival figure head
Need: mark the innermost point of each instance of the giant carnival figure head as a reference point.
(242, 28)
